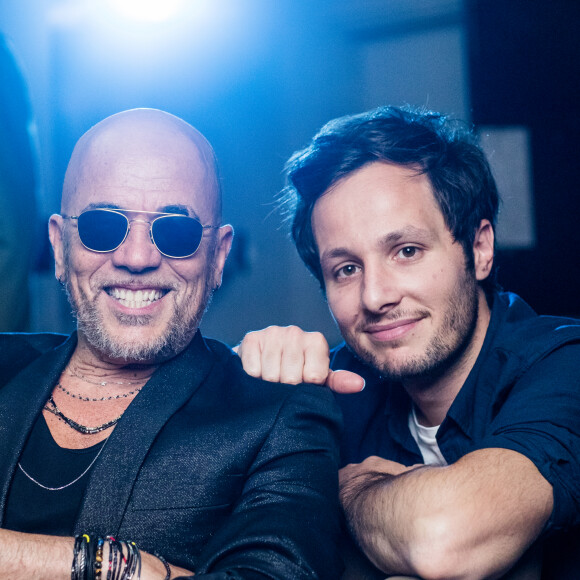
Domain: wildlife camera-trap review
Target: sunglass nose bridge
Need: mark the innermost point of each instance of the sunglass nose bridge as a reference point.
(148, 223)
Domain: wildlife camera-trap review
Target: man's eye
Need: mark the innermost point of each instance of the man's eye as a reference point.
(408, 252)
(347, 271)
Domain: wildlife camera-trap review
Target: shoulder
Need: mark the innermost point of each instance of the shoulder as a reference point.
(41, 341)
(314, 397)
(18, 350)
(519, 330)
(16, 347)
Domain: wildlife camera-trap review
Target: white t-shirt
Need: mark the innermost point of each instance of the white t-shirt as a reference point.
(426, 440)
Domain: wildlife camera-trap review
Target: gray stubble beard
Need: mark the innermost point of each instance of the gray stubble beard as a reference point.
(180, 329)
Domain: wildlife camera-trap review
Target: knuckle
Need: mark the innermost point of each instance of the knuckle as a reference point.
(318, 341)
(270, 376)
(291, 379)
(316, 377)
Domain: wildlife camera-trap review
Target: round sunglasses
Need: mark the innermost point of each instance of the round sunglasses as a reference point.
(174, 235)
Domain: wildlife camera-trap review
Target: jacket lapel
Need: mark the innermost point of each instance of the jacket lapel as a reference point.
(114, 474)
(21, 401)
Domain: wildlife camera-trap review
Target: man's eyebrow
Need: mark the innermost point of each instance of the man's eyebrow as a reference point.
(406, 234)
(101, 206)
(335, 253)
(177, 208)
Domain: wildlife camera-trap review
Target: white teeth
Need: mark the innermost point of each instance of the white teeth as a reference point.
(135, 299)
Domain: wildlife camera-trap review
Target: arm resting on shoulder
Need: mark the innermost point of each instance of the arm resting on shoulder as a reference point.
(470, 520)
(288, 354)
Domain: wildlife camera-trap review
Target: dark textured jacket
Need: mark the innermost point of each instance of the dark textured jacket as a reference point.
(218, 472)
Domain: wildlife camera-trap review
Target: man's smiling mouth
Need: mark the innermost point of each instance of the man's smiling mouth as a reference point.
(136, 298)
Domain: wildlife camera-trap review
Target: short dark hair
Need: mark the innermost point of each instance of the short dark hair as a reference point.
(443, 149)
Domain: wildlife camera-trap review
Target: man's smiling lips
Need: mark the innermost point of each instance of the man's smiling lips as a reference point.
(135, 298)
(391, 331)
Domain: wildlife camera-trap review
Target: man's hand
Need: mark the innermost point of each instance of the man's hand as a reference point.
(290, 355)
(370, 465)
(355, 478)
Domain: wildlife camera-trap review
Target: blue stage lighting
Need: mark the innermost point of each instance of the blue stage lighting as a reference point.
(148, 10)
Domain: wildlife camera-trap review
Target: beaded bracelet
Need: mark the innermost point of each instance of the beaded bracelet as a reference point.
(124, 559)
(99, 559)
(167, 567)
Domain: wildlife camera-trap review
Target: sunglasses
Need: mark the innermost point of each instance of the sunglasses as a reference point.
(174, 235)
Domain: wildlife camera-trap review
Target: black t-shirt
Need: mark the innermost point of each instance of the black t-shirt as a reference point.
(31, 508)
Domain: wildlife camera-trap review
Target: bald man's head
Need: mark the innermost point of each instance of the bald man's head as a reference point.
(128, 141)
(139, 285)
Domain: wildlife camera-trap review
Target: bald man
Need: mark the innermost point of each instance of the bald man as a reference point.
(135, 436)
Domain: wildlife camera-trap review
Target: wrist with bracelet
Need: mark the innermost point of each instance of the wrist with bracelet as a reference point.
(124, 561)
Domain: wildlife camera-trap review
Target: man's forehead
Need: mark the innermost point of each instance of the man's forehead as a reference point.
(380, 198)
(148, 160)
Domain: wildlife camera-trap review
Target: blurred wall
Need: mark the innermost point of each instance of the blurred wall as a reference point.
(258, 79)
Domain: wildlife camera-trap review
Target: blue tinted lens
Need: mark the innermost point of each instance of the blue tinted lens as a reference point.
(101, 230)
(177, 236)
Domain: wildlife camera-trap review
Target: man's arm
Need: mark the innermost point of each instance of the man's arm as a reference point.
(25, 556)
(286, 521)
(470, 520)
(288, 354)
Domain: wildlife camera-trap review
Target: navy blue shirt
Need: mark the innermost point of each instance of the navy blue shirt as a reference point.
(523, 394)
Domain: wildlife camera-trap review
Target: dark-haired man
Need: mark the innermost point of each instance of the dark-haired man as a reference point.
(135, 435)
(462, 453)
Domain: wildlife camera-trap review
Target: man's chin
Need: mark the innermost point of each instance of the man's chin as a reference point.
(393, 365)
(137, 342)
(134, 351)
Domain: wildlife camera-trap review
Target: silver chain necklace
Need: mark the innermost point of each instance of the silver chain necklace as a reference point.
(68, 484)
(73, 372)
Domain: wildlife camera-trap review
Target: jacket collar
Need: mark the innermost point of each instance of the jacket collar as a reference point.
(114, 473)
(21, 401)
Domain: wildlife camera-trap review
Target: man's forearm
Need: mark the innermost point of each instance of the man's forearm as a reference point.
(473, 519)
(25, 556)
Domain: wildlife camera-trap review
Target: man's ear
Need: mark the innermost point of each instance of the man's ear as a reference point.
(55, 234)
(222, 249)
(483, 246)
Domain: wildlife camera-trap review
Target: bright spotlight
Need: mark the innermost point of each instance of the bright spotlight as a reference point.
(148, 10)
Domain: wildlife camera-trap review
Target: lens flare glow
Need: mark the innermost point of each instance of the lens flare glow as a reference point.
(148, 10)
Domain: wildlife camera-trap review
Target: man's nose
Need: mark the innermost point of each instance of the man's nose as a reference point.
(380, 289)
(137, 253)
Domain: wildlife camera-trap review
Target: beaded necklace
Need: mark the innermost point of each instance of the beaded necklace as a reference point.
(110, 398)
(52, 408)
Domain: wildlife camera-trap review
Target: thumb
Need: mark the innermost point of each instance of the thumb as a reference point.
(345, 382)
